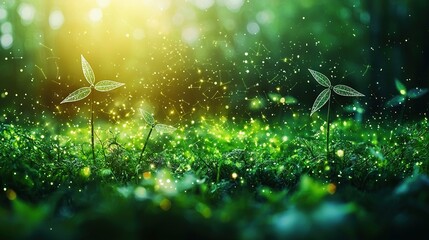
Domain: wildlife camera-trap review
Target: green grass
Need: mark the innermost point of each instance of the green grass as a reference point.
(215, 178)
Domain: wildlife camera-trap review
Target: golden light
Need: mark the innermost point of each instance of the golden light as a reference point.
(165, 204)
(86, 172)
(331, 188)
(340, 153)
(11, 194)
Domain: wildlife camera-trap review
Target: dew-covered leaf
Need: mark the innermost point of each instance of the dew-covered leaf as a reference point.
(401, 87)
(147, 117)
(417, 92)
(107, 85)
(346, 91)
(395, 101)
(87, 71)
(162, 128)
(77, 95)
(320, 78)
(321, 100)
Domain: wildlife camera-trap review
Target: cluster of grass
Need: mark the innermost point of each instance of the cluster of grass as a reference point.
(214, 177)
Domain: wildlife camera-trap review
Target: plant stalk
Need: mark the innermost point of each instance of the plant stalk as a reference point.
(147, 139)
(403, 110)
(92, 129)
(327, 129)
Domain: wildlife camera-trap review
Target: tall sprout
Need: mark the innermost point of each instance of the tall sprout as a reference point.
(83, 92)
(162, 128)
(325, 97)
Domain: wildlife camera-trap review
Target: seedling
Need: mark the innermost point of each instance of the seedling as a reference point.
(325, 96)
(83, 92)
(162, 128)
(404, 96)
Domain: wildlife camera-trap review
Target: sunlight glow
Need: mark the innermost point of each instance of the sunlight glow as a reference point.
(10, 194)
(27, 12)
(95, 15)
(6, 41)
(56, 19)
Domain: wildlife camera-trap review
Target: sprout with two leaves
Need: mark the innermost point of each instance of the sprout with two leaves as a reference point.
(83, 92)
(162, 128)
(404, 96)
(325, 97)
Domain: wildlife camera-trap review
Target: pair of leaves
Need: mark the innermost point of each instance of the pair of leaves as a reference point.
(325, 95)
(101, 86)
(404, 94)
(161, 128)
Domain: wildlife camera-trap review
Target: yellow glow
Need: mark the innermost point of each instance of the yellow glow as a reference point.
(86, 171)
(147, 175)
(331, 188)
(340, 153)
(165, 204)
(10, 194)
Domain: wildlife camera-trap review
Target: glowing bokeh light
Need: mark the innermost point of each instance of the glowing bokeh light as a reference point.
(27, 13)
(56, 19)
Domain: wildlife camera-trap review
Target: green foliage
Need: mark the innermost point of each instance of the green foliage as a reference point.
(215, 177)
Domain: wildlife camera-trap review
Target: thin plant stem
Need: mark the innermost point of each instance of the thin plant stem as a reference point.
(327, 129)
(92, 129)
(218, 172)
(403, 110)
(147, 140)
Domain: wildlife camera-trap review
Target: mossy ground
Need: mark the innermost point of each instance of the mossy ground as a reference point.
(215, 178)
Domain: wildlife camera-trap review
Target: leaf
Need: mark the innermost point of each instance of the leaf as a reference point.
(107, 85)
(77, 95)
(290, 100)
(417, 92)
(162, 128)
(397, 100)
(320, 78)
(347, 91)
(28, 216)
(275, 97)
(87, 71)
(321, 100)
(401, 88)
(147, 117)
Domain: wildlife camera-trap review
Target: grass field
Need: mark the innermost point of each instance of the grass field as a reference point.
(215, 178)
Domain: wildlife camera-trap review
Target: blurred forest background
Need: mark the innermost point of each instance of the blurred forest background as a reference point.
(236, 58)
